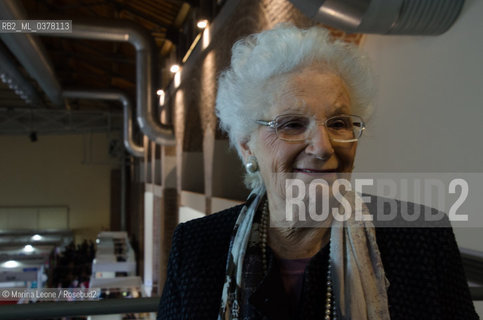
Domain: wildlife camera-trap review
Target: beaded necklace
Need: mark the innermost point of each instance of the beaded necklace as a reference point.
(330, 308)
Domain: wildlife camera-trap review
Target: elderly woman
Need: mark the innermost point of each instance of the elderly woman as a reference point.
(293, 103)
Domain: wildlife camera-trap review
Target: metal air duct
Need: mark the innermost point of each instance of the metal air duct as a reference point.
(30, 52)
(112, 95)
(16, 81)
(131, 146)
(32, 56)
(126, 31)
(415, 17)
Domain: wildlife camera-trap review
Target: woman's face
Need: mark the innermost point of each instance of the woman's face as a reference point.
(316, 93)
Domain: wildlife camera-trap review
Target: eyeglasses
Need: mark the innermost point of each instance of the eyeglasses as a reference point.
(298, 127)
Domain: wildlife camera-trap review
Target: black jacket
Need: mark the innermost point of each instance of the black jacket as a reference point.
(423, 266)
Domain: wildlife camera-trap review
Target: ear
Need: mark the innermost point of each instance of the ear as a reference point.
(246, 151)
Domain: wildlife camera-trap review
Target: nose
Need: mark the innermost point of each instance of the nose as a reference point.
(319, 144)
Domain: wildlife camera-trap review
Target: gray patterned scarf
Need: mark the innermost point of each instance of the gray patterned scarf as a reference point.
(360, 284)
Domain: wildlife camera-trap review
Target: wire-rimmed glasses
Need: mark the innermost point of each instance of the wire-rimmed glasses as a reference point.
(300, 127)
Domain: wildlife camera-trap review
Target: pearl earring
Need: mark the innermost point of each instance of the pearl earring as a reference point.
(252, 165)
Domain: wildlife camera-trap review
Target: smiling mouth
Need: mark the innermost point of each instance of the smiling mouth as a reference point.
(314, 171)
(328, 174)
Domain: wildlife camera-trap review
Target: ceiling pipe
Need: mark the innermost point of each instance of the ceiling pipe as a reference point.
(113, 95)
(16, 81)
(30, 52)
(410, 17)
(32, 55)
(126, 31)
(131, 146)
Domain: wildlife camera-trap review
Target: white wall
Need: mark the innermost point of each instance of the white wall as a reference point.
(60, 170)
(429, 107)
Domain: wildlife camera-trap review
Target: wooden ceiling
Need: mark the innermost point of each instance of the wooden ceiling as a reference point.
(99, 64)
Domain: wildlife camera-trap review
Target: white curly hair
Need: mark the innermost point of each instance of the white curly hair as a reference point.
(246, 90)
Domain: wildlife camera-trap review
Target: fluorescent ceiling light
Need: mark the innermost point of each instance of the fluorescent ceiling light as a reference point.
(202, 24)
(10, 264)
(36, 237)
(174, 68)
